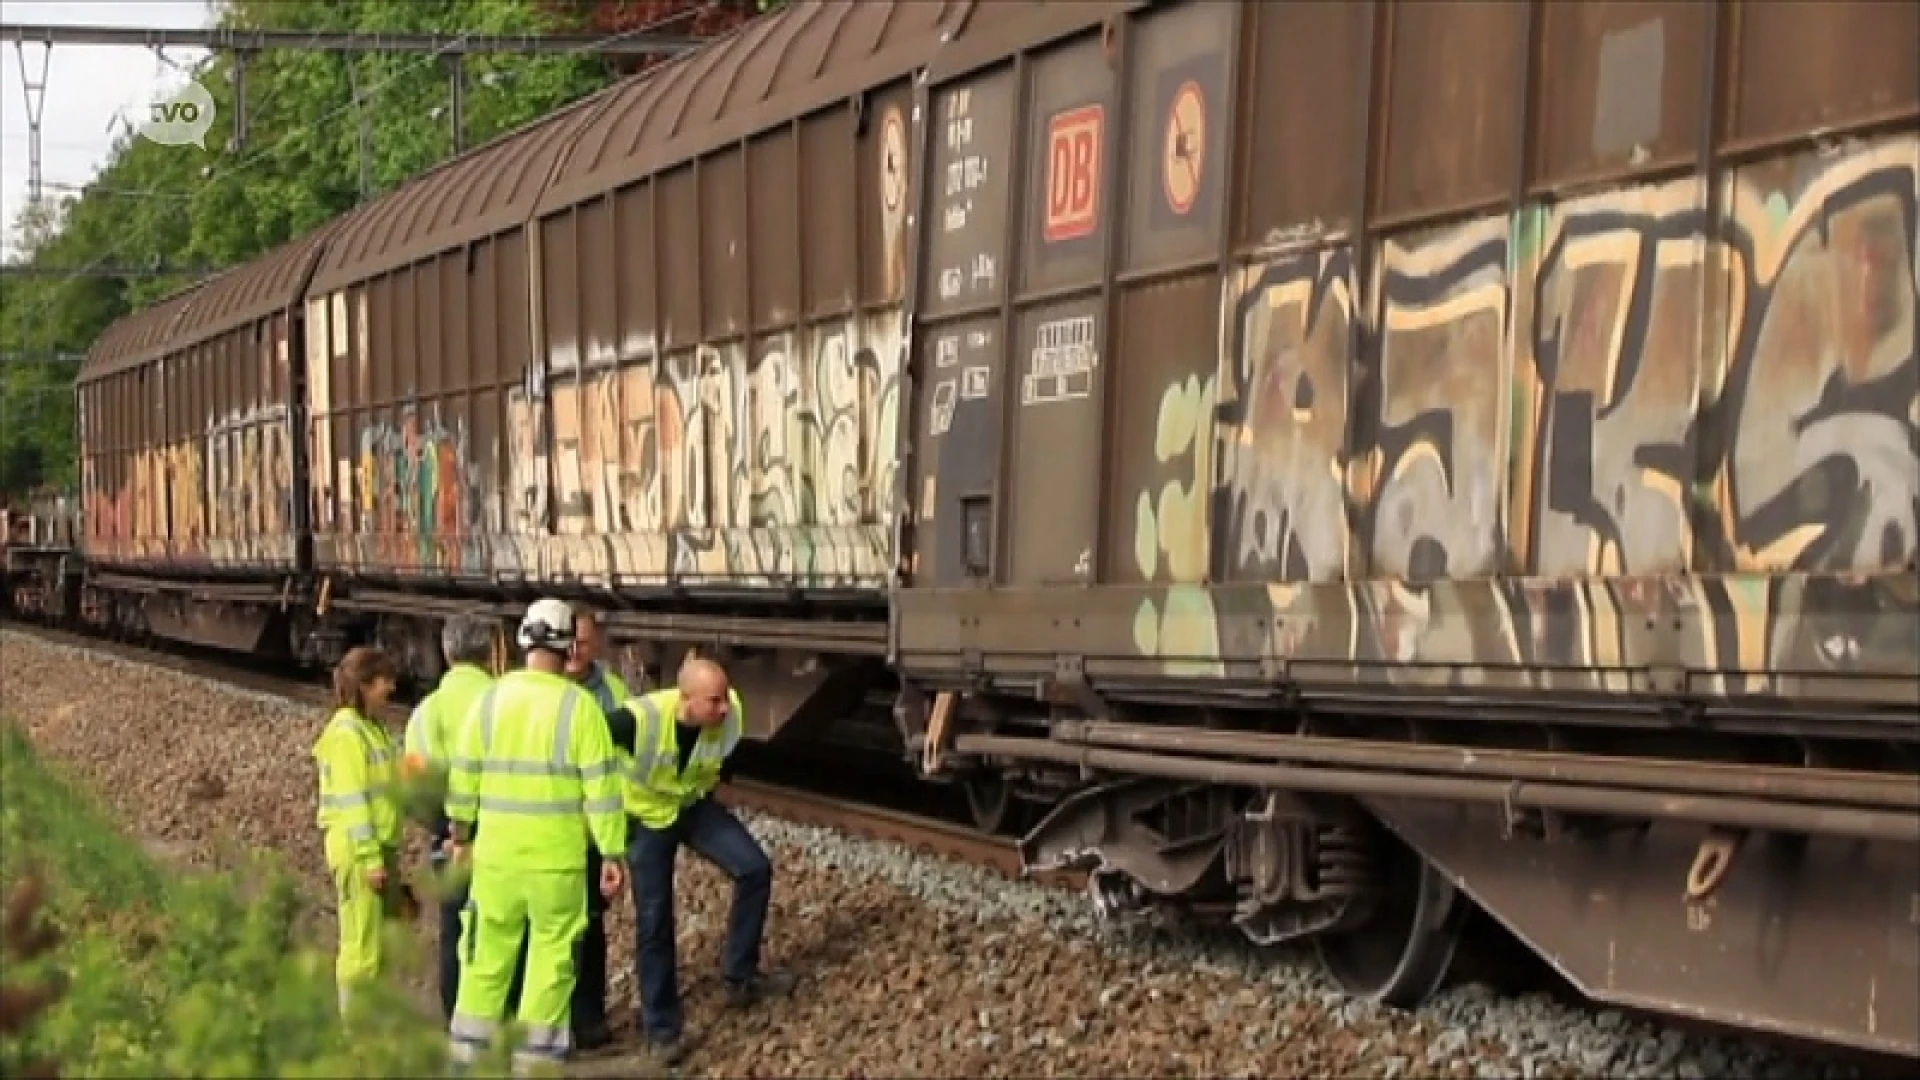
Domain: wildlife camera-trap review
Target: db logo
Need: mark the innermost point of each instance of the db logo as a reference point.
(1073, 173)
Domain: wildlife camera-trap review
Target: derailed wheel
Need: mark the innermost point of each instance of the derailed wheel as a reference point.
(1399, 956)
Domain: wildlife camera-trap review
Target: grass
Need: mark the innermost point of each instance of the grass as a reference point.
(116, 967)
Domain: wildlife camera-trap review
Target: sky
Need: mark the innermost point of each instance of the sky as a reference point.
(88, 89)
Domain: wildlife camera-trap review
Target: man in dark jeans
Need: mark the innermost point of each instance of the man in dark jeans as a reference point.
(680, 740)
(590, 1030)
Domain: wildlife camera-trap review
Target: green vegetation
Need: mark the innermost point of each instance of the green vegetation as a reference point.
(313, 149)
(148, 973)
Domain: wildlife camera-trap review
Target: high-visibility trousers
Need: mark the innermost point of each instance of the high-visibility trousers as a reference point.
(505, 905)
(361, 911)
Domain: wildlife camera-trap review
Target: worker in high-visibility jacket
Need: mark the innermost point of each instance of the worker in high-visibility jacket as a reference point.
(590, 1029)
(533, 768)
(467, 643)
(359, 813)
(677, 741)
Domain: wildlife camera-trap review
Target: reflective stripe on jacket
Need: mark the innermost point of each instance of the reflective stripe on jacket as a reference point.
(656, 790)
(357, 761)
(431, 728)
(529, 764)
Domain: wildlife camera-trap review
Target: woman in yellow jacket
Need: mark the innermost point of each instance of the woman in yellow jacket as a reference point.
(358, 810)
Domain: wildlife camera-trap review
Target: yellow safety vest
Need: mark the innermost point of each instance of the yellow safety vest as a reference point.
(356, 761)
(528, 763)
(431, 728)
(656, 790)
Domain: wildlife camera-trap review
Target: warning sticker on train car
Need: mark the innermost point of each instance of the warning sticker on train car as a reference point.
(1073, 173)
(1184, 153)
(893, 161)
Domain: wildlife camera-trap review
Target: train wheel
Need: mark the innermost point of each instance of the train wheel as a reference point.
(1400, 955)
(990, 800)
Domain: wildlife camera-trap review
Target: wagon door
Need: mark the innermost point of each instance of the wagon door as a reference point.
(960, 346)
(1009, 402)
(1055, 477)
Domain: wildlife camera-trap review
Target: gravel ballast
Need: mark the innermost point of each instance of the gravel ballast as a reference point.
(909, 966)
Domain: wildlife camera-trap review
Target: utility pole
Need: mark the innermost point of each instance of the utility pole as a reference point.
(363, 122)
(36, 88)
(456, 102)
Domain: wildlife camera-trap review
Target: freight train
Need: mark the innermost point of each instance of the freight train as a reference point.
(1335, 466)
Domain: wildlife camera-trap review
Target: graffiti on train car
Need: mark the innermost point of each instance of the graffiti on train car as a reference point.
(226, 497)
(1170, 530)
(413, 503)
(185, 528)
(108, 511)
(1279, 495)
(1652, 403)
(249, 491)
(96, 518)
(703, 468)
(149, 511)
(714, 467)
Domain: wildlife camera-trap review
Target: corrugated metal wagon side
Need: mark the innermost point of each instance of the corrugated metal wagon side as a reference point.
(124, 443)
(1583, 366)
(1397, 386)
(417, 351)
(194, 475)
(230, 379)
(724, 268)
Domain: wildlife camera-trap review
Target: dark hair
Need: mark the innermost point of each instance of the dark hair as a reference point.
(356, 672)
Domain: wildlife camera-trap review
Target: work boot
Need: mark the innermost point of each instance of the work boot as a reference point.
(590, 1037)
(764, 986)
(666, 1052)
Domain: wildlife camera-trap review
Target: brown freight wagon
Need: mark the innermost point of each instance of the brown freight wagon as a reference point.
(1322, 410)
(609, 355)
(192, 464)
(122, 445)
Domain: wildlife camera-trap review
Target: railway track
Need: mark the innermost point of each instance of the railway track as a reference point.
(829, 809)
(840, 809)
(926, 835)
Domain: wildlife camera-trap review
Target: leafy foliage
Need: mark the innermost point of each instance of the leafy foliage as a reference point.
(152, 975)
(300, 163)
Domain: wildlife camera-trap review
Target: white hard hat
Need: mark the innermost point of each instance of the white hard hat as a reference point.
(548, 624)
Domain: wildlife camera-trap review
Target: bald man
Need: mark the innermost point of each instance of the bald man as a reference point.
(679, 739)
